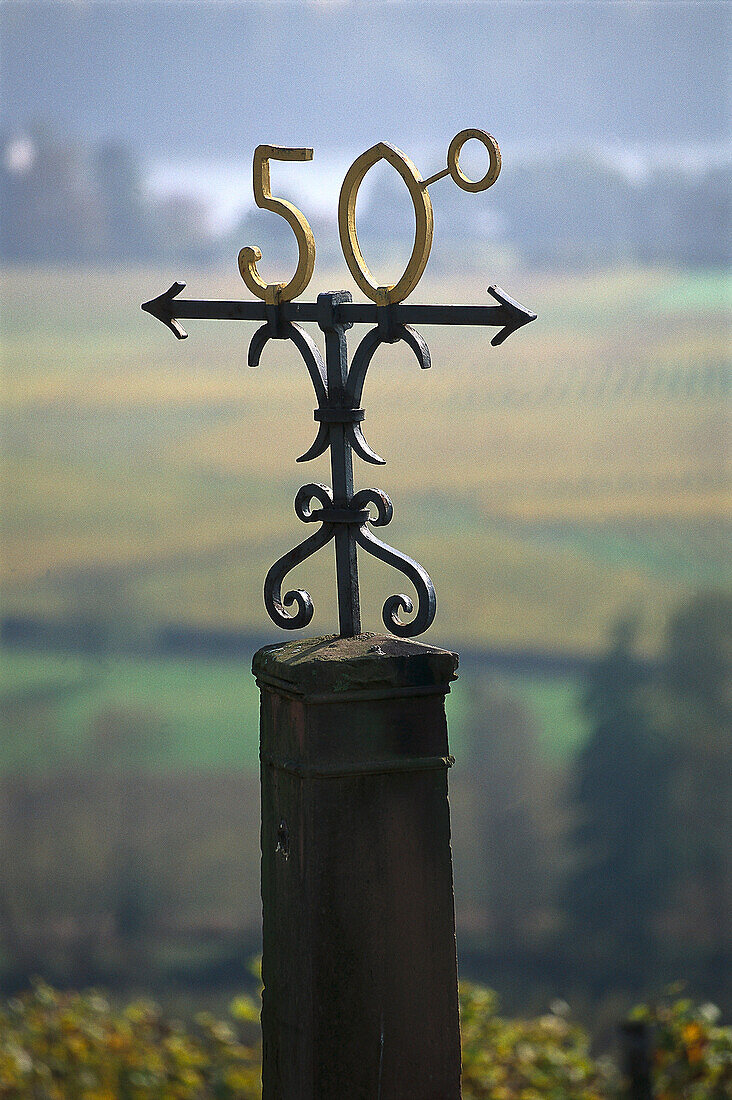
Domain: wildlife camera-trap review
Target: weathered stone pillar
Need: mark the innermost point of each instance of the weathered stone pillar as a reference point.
(359, 964)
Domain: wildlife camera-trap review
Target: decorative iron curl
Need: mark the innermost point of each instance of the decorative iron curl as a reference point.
(289, 330)
(273, 599)
(382, 334)
(426, 597)
(326, 415)
(380, 500)
(306, 494)
(359, 516)
(319, 445)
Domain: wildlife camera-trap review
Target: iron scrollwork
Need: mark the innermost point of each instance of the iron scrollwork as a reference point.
(339, 407)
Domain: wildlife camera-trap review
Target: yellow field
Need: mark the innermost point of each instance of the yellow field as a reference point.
(577, 471)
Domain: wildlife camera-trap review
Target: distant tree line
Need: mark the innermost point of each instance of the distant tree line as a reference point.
(616, 877)
(70, 203)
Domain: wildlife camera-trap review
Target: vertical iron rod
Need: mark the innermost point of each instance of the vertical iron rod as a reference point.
(341, 464)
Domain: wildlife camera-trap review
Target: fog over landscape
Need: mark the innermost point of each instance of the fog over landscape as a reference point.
(211, 79)
(637, 91)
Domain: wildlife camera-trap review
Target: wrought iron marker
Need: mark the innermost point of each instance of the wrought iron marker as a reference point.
(344, 515)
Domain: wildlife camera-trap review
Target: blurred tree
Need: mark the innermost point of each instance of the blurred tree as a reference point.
(118, 177)
(571, 209)
(32, 893)
(692, 708)
(126, 742)
(50, 208)
(512, 861)
(180, 230)
(683, 217)
(620, 880)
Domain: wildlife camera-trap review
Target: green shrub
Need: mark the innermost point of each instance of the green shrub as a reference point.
(544, 1059)
(692, 1052)
(74, 1046)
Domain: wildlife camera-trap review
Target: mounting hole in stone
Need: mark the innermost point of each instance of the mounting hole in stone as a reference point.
(283, 840)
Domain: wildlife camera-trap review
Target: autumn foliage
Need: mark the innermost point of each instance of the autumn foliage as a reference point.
(75, 1046)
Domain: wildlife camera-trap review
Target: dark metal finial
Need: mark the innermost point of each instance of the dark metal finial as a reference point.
(344, 515)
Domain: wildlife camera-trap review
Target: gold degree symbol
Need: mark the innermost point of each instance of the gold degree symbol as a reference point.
(424, 222)
(453, 162)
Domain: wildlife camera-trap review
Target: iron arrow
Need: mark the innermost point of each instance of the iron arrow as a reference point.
(508, 315)
(168, 307)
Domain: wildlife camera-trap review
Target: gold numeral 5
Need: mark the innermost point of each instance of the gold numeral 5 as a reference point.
(248, 257)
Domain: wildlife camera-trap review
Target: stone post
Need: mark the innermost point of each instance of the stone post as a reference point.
(359, 962)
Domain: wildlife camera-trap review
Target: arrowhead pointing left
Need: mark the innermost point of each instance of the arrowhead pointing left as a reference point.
(516, 314)
(163, 308)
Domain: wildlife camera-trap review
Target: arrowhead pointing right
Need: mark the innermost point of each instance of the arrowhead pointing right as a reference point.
(518, 315)
(163, 308)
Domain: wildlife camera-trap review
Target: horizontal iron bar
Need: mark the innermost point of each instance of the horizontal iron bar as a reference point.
(347, 312)
(341, 515)
(338, 416)
(168, 307)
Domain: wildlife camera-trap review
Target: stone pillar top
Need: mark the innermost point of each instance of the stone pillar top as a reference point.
(372, 664)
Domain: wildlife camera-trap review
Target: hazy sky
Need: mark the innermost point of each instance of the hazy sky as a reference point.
(214, 79)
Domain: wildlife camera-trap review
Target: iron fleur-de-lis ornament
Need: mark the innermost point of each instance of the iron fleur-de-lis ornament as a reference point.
(343, 514)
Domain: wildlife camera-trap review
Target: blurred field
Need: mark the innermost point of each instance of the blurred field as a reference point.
(578, 470)
(548, 485)
(195, 714)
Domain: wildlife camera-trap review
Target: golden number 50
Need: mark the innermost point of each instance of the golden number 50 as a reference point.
(417, 187)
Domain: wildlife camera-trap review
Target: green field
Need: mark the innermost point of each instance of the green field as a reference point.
(197, 714)
(576, 472)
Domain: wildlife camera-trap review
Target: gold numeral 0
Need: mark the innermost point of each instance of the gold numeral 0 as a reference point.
(385, 295)
(417, 187)
(248, 257)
